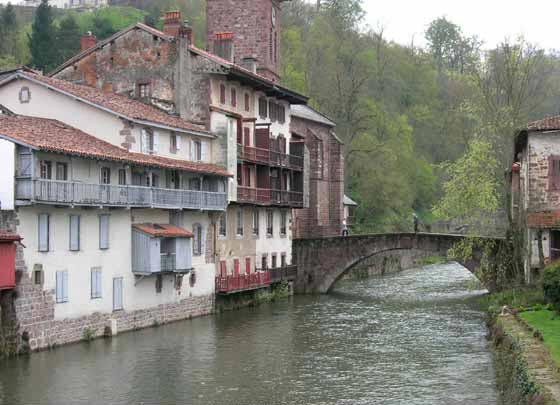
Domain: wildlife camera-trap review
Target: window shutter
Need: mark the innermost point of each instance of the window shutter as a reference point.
(223, 269)
(247, 265)
(203, 150)
(193, 151)
(556, 173)
(145, 141)
(65, 286)
(236, 267)
(43, 232)
(195, 240)
(74, 232)
(155, 136)
(59, 286)
(178, 142)
(202, 241)
(98, 283)
(104, 232)
(117, 293)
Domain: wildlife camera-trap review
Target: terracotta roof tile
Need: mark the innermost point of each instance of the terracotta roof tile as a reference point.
(119, 104)
(55, 136)
(9, 237)
(163, 230)
(547, 124)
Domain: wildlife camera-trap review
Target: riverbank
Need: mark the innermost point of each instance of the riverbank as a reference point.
(524, 339)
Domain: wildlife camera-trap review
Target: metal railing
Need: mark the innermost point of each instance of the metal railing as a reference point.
(168, 262)
(269, 157)
(269, 196)
(74, 193)
(242, 282)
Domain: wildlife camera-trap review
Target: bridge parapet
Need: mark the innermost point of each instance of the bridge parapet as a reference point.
(321, 262)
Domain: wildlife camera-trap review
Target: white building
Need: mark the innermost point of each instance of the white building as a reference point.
(116, 201)
(75, 4)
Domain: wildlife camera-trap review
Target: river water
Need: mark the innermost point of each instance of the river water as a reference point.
(411, 338)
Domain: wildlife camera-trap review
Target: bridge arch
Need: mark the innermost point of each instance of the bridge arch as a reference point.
(322, 262)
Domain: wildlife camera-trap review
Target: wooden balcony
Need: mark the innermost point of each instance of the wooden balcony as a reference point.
(81, 194)
(288, 273)
(233, 284)
(269, 157)
(265, 196)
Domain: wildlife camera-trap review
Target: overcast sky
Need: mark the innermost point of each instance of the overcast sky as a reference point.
(491, 20)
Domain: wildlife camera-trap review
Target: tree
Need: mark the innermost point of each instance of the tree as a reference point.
(8, 30)
(67, 38)
(42, 39)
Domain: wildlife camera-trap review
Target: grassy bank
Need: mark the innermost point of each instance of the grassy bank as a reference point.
(547, 323)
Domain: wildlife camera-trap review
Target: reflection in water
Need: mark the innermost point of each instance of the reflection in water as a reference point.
(410, 338)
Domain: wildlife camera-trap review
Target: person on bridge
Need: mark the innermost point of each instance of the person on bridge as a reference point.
(344, 228)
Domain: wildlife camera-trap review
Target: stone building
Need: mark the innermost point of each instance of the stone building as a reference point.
(535, 182)
(115, 200)
(324, 212)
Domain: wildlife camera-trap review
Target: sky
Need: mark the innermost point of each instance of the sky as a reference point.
(490, 20)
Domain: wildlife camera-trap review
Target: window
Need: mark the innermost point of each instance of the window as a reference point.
(159, 283)
(117, 294)
(104, 232)
(196, 151)
(175, 143)
(46, 169)
(247, 102)
(233, 97)
(264, 262)
(96, 283)
(223, 225)
(105, 175)
(24, 95)
(149, 141)
(240, 222)
(61, 171)
(247, 136)
(44, 232)
(269, 222)
(263, 107)
(281, 114)
(554, 172)
(155, 180)
(222, 94)
(236, 267)
(283, 262)
(256, 222)
(194, 184)
(74, 233)
(274, 261)
(38, 275)
(272, 111)
(223, 268)
(197, 240)
(62, 286)
(143, 90)
(283, 223)
(320, 158)
(174, 179)
(122, 177)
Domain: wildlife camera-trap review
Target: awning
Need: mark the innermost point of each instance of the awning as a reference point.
(163, 230)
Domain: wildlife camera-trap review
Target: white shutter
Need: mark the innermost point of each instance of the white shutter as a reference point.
(145, 141)
(117, 293)
(59, 280)
(43, 232)
(104, 232)
(65, 286)
(178, 142)
(74, 232)
(204, 152)
(202, 241)
(156, 142)
(193, 151)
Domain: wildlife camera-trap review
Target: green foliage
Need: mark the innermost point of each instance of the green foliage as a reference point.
(68, 38)
(551, 284)
(106, 21)
(512, 298)
(8, 30)
(548, 325)
(88, 334)
(42, 41)
(7, 62)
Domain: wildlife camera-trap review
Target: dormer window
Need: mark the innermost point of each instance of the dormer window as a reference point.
(143, 90)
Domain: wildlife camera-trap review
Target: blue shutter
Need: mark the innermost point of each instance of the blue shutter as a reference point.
(62, 286)
(74, 232)
(65, 286)
(117, 294)
(43, 232)
(104, 232)
(58, 286)
(202, 241)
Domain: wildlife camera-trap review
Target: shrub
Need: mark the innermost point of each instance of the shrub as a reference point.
(551, 284)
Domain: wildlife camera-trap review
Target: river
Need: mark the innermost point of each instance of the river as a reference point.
(411, 338)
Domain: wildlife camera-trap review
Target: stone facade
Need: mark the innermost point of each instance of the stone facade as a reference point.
(324, 215)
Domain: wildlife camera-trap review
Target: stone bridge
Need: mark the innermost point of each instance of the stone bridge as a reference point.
(321, 262)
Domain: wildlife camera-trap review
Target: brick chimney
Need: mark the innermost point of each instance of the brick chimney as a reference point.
(88, 41)
(172, 23)
(223, 46)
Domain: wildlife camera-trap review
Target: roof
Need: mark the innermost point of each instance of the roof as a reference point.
(6, 73)
(9, 237)
(117, 104)
(163, 230)
(107, 41)
(240, 72)
(54, 136)
(546, 124)
(349, 201)
(308, 113)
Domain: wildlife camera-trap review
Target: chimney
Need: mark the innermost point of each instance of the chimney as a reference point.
(172, 23)
(250, 63)
(188, 33)
(88, 41)
(223, 45)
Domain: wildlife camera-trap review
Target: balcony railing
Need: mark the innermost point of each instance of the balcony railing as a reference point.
(269, 157)
(74, 193)
(243, 282)
(287, 273)
(266, 196)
